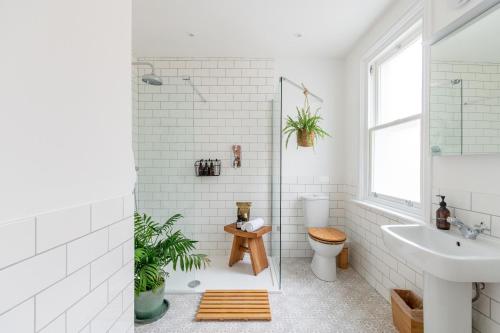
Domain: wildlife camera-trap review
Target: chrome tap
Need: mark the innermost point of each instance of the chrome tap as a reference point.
(468, 232)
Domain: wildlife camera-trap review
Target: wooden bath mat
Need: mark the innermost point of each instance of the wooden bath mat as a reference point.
(234, 305)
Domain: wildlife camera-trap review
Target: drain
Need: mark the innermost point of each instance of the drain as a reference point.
(194, 284)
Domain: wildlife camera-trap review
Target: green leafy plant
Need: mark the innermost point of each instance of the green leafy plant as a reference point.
(156, 246)
(306, 126)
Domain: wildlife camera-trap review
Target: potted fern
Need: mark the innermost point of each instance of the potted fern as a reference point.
(156, 246)
(306, 126)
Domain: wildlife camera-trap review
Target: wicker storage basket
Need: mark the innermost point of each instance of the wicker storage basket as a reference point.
(343, 258)
(305, 139)
(407, 311)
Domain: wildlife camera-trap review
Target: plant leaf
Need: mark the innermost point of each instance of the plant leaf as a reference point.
(158, 245)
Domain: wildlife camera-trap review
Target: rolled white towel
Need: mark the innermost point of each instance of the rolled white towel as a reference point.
(253, 224)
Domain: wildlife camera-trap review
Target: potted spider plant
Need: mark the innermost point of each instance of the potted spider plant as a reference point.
(156, 246)
(306, 126)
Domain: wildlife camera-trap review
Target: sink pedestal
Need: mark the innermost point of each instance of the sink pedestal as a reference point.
(447, 306)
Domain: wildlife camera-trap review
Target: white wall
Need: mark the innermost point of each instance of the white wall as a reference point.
(325, 78)
(65, 125)
(65, 140)
(442, 12)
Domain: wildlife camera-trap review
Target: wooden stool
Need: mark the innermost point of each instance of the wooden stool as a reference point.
(255, 246)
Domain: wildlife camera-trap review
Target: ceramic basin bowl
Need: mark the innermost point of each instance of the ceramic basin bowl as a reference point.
(445, 254)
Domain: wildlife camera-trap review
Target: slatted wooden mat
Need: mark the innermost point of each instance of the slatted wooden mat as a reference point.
(234, 305)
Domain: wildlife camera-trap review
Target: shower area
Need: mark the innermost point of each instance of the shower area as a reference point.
(446, 125)
(187, 110)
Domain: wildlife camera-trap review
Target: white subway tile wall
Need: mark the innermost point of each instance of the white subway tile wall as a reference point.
(369, 256)
(175, 128)
(53, 301)
(106, 212)
(56, 326)
(77, 277)
(15, 319)
(13, 233)
(57, 228)
(31, 275)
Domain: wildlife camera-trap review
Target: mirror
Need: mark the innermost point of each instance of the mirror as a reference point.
(465, 89)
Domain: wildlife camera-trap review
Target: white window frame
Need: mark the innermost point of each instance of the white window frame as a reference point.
(401, 36)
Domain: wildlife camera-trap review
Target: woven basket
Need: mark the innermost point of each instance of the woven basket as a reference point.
(407, 311)
(305, 139)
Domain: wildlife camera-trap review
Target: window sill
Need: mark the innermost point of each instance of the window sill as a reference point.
(403, 217)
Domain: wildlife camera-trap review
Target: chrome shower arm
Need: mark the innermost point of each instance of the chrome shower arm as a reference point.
(188, 79)
(144, 63)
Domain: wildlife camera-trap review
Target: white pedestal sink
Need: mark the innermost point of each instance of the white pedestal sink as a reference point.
(450, 264)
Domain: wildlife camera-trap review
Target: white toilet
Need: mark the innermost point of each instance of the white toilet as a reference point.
(326, 242)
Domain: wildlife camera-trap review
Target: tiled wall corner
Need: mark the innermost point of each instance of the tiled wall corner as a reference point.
(369, 256)
(69, 270)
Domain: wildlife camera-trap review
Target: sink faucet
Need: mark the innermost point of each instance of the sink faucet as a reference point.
(468, 232)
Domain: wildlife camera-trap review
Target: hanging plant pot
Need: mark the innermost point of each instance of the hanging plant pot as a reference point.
(306, 126)
(305, 139)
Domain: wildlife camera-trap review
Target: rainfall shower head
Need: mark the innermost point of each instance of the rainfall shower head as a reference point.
(150, 78)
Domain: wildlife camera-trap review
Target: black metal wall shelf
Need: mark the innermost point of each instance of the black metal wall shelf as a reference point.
(207, 168)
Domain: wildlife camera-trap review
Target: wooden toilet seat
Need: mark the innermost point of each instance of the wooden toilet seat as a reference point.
(327, 235)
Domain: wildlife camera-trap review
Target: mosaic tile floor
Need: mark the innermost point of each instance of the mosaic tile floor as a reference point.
(348, 305)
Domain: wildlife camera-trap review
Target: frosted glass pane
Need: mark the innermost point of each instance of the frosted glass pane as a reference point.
(401, 84)
(396, 161)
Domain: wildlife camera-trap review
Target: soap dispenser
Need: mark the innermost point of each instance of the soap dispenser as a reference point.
(442, 215)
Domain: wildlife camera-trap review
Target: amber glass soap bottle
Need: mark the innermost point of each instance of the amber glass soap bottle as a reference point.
(442, 215)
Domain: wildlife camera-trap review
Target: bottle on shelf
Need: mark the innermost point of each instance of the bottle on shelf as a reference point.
(211, 168)
(199, 170)
(206, 171)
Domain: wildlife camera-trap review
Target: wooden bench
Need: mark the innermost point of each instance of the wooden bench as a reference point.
(250, 242)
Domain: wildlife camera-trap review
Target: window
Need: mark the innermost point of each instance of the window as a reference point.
(393, 126)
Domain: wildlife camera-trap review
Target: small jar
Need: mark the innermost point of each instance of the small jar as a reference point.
(242, 213)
